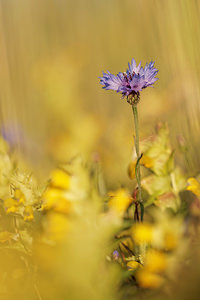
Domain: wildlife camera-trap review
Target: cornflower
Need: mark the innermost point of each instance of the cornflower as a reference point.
(130, 84)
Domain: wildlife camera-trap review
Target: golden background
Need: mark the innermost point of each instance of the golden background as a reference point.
(51, 55)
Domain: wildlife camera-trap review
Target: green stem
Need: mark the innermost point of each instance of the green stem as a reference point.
(138, 177)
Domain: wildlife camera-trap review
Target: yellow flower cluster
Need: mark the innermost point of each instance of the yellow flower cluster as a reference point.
(57, 204)
(150, 274)
(155, 244)
(68, 210)
(62, 199)
(17, 204)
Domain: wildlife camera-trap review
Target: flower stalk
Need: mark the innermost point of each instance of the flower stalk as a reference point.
(137, 168)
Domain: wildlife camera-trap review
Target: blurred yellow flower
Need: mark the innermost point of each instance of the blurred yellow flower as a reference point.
(194, 186)
(131, 169)
(142, 233)
(149, 280)
(119, 201)
(28, 213)
(56, 199)
(155, 261)
(133, 265)
(11, 205)
(145, 161)
(19, 196)
(60, 179)
(155, 264)
(55, 196)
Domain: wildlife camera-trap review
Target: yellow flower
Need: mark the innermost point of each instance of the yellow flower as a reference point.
(56, 199)
(60, 179)
(133, 265)
(120, 201)
(149, 280)
(131, 169)
(155, 264)
(155, 261)
(142, 233)
(28, 213)
(145, 161)
(19, 196)
(194, 186)
(11, 205)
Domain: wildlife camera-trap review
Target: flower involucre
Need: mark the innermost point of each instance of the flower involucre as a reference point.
(131, 82)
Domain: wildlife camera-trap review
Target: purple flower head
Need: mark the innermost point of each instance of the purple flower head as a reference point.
(115, 255)
(131, 82)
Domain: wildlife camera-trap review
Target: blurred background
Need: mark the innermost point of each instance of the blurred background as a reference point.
(52, 107)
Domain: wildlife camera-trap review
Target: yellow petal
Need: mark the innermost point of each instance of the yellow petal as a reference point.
(60, 179)
(155, 261)
(149, 280)
(142, 233)
(194, 186)
(131, 169)
(120, 201)
(56, 199)
(146, 161)
(28, 213)
(19, 196)
(133, 265)
(11, 205)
